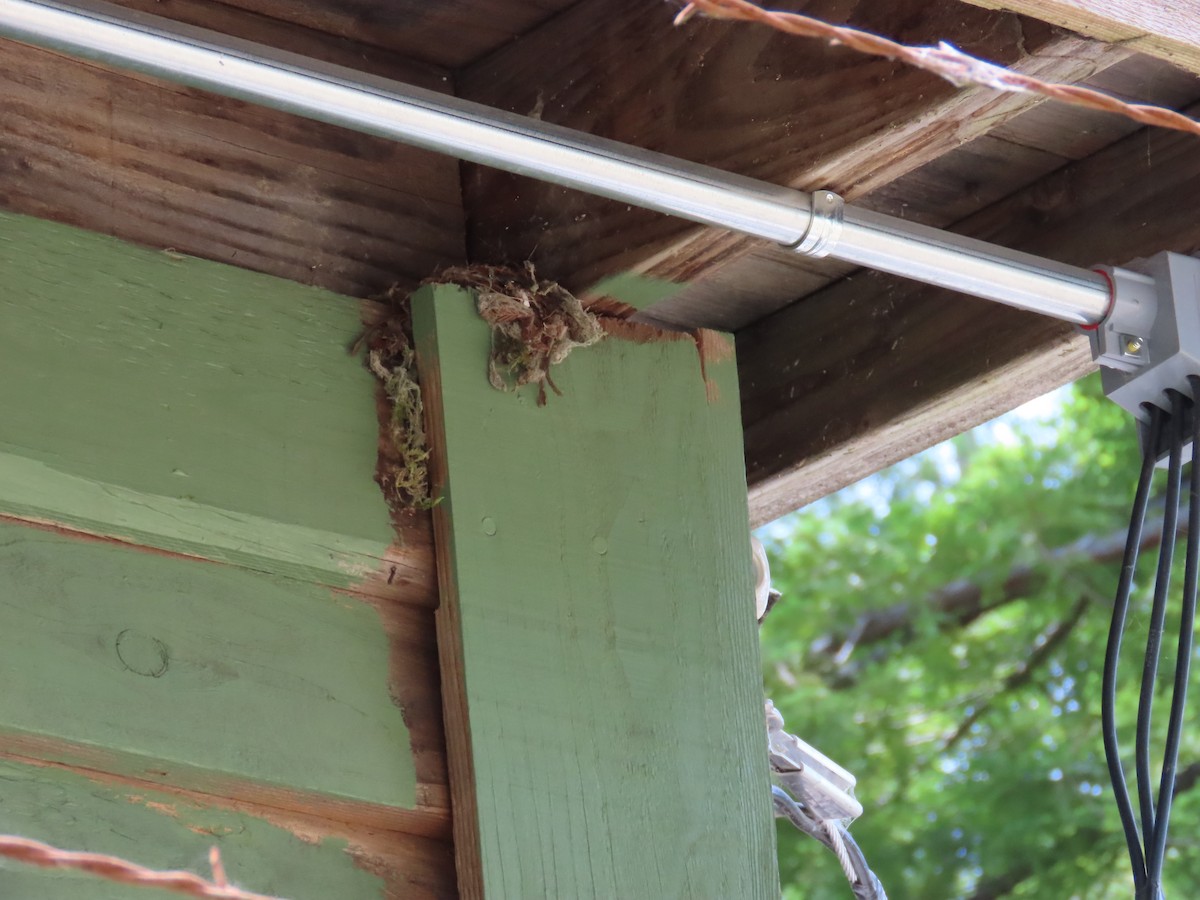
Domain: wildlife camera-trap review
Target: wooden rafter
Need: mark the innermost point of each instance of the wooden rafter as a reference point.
(1169, 30)
(743, 99)
(874, 369)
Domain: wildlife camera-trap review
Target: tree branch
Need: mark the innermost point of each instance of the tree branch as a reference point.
(1051, 639)
(962, 602)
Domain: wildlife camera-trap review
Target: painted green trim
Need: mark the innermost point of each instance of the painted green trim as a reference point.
(599, 572)
(185, 404)
(162, 832)
(637, 290)
(176, 665)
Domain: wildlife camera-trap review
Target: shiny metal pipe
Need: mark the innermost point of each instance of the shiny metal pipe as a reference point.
(470, 131)
(1075, 295)
(234, 68)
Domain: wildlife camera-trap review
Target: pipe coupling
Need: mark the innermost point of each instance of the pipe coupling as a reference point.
(824, 225)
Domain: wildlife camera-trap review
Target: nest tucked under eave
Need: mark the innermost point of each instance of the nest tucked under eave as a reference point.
(535, 324)
(403, 468)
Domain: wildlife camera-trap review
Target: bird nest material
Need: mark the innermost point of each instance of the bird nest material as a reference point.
(403, 468)
(535, 324)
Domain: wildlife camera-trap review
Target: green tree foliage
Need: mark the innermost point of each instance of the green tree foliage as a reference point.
(941, 635)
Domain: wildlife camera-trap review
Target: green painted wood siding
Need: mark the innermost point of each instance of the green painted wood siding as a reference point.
(597, 584)
(195, 607)
(186, 405)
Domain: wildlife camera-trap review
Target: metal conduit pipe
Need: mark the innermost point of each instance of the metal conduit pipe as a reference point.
(816, 224)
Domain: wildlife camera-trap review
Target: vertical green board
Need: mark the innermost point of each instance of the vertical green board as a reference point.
(597, 560)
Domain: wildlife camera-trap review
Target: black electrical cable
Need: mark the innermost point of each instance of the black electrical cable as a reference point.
(1156, 848)
(1158, 614)
(1112, 750)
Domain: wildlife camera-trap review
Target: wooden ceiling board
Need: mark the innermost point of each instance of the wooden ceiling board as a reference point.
(872, 369)
(1168, 30)
(449, 33)
(745, 99)
(284, 35)
(949, 187)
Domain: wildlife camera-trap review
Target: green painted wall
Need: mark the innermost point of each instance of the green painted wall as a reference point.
(161, 832)
(164, 663)
(185, 404)
(600, 571)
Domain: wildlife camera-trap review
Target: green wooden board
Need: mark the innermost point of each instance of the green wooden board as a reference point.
(161, 832)
(599, 574)
(185, 405)
(169, 665)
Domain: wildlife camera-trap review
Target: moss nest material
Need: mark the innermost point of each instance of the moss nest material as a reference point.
(535, 323)
(403, 470)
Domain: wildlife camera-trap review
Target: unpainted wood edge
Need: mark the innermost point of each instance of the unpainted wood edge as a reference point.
(1180, 49)
(468, 853)
(1047, 366)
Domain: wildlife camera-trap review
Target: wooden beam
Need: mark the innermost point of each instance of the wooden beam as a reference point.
(171, 167)
(1169, 30)
(744, 99)
(874, 369)
(599, 650)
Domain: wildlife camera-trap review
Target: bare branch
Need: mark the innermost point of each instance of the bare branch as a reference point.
(962, 602)
(1050, 640)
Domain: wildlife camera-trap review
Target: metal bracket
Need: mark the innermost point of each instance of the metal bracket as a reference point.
(1150, 341)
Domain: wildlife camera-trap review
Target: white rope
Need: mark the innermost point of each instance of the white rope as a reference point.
(839, 849)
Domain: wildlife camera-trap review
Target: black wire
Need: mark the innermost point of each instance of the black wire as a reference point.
(1112, 750)
(1156, 850)
(1158, 613)
(868, 885)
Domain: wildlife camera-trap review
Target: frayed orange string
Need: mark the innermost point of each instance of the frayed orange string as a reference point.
(945, 60)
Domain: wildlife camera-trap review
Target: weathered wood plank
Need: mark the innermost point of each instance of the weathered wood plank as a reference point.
(599, 649)
(193, 407)
(743, 99)
(449, 34)
(874, 369)
(1169, 29)
(243, 21)
(287, 855)
(167, 166)
(212, 678)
